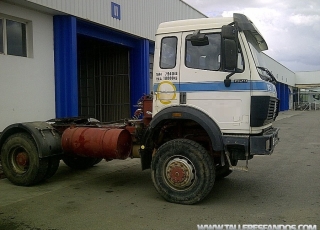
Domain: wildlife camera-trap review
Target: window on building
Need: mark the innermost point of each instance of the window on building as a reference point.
(204, 57)
(14, 36)
(168, 53)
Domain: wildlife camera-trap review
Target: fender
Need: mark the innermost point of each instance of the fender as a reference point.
(186, 112)
(47, 139)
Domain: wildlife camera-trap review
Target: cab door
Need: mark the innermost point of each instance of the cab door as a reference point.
(166, 74)
(202, 82)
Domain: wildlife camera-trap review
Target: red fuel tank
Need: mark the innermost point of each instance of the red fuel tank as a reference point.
(97, 142)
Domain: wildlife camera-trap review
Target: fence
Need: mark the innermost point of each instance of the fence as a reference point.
(306, 106)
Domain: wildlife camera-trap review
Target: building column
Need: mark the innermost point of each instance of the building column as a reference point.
(139, 71)
(286, 97)
(65, 58)
(283, 97)
(278, 86)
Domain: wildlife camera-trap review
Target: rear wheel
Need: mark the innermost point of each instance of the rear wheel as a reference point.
(182, 171)
(20, 160)
(80, 163)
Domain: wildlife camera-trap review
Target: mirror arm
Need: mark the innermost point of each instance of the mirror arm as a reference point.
(227, 81)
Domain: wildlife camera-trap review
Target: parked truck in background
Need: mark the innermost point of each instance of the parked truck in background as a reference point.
(213, 104)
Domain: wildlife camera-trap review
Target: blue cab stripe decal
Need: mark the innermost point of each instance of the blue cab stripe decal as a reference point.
(219, 86)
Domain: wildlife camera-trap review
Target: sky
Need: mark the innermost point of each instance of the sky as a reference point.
(290, 27)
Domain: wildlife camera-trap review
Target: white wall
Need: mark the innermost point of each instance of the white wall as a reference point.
(139, 18)
(27, 84)
(312, 78)
(281, 73)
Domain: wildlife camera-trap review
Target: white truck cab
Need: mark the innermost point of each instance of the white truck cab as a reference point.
(194, 75)
(213, 104)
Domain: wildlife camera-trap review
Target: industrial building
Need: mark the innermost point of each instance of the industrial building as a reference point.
(63, 58)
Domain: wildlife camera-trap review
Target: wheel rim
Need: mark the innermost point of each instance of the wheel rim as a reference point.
(20, 160)
(179, 173)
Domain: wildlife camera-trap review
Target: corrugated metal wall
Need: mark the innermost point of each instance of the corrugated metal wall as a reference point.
(139, 17)
(281, 73)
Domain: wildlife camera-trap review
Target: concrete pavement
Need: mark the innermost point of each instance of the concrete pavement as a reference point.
(279, 189)
(288, 113)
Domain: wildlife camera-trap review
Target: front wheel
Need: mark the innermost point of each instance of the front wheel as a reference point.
(182, 171)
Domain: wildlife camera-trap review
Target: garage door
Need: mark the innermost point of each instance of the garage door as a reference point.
(103, 73)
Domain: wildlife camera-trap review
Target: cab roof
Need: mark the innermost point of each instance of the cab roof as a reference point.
(193, 24)
(239, 20)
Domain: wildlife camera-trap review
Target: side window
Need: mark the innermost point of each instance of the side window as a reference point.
(168, 53)
(204, 57)
(240, 66)
(16, 38)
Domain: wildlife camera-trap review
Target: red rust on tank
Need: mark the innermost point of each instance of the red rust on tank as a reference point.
(97, 142)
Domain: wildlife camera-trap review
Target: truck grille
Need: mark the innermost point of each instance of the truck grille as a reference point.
(273, 109)
(264, 110)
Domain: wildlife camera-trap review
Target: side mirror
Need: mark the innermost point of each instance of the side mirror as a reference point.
(229, 51)
(198, 39)
(229, 32)
(229, 47)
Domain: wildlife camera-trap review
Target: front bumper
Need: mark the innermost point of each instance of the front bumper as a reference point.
(265, 143)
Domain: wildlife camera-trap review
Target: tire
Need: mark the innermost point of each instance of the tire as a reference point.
(79, 163)
(224, 171)
(20, 160)
(182, 171)
(53, 165)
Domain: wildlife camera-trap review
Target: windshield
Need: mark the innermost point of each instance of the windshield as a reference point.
(264, 73)
(257, 56)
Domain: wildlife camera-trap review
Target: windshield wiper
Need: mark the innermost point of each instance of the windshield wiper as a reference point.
(272, 78)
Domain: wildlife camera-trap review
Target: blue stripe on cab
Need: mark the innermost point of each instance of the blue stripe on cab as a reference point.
(219, 86)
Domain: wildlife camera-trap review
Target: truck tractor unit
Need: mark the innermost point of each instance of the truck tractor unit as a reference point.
(212, 104)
